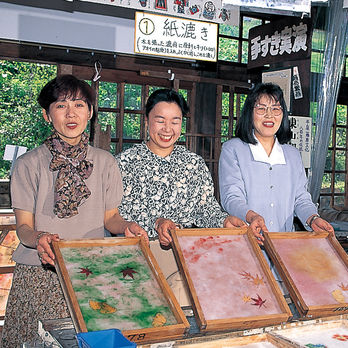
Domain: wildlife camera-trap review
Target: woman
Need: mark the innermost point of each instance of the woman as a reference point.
(62, 189)
(166, 185)
(262, 179)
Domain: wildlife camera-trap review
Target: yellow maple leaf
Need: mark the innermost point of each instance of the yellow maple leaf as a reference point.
(246, 298)
(338, 296)
(257, 280)
(107, 309)
(102, 307)
(95, 305)
(159, 320)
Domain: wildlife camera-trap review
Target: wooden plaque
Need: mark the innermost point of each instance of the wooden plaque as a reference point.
(116, 283)
(230, 283)
(314, 268)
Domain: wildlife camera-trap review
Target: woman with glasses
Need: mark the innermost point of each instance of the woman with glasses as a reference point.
(262, 179)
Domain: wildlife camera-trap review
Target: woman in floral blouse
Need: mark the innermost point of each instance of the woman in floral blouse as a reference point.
(165, 184)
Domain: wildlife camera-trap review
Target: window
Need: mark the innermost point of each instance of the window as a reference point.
(333, 190)
(122, 107)
(318, 45)
(233, 40)
(232, 104)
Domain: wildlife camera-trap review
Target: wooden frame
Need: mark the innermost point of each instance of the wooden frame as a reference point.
(333, 333)
(8, 244)
(148, 269)
(248, 275)
(260, 340)
(314, 268)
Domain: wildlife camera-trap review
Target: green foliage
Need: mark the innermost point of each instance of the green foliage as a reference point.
(228, 49)
(21, 121)
(107, 94)
(340, 155)
(248, 23)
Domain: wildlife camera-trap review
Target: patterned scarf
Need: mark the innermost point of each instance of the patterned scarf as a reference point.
(70, 189)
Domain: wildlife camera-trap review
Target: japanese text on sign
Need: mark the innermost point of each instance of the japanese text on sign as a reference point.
(301, 128)
(290, 39)
(175, 37)
(284, 39)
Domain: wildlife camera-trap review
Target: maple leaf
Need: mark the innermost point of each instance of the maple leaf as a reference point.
(258, 301)
(85, 271)
(343, 287)
(246, 275)
(257, 280)
(246, 298)
(340, 337)
(128, 272)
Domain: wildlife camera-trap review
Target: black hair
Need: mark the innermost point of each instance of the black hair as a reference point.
(245, 125)
(67, 86)
(169, 96)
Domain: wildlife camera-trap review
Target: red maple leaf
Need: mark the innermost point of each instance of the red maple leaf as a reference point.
(128, 272)
(86, 271)
(258, 301)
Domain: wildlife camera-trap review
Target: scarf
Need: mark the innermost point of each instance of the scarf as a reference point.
(70, 190)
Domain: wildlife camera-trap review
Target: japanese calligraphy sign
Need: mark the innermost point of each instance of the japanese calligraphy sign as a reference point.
(204, 10)
(279, 41)
(175, 37)
(301, 128)
(282, 5)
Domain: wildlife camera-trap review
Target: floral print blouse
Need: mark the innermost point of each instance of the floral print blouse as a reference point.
(178, 187)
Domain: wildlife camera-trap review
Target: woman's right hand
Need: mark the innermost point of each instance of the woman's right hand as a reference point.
(257, 225)
(44, 249)
(163, 228)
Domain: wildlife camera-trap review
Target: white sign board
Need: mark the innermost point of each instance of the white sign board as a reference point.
(175, 37)
(203, 10)
(281, 5)
(282, 78)
(12, 152)
(301, 128)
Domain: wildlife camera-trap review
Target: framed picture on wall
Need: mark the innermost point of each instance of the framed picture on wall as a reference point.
(314, 267)
(282, 78)
(116, 283)
(229, 280)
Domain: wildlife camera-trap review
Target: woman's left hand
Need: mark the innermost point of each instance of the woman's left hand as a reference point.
(321, 225)
(163, 228)
(134, 230)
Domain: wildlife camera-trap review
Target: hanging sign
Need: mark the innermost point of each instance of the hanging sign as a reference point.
(204, 10)
(301, 128)
(279, 41)
(175, 37)
(281, 5)
(282, 78)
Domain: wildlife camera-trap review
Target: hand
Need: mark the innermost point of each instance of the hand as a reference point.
(233, 221)
(257, 225)
(44, 249)
(321, 225)
(134, 230)
(163, 228)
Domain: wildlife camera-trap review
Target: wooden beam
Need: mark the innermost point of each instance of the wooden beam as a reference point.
(183, 77)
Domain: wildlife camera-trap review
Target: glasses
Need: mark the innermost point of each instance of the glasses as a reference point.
(261, 110)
